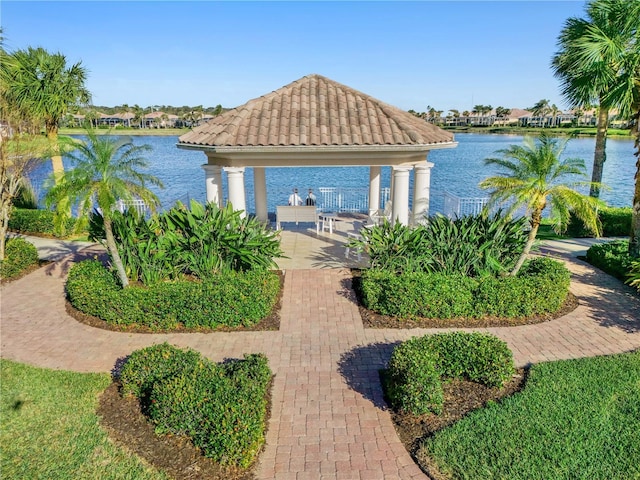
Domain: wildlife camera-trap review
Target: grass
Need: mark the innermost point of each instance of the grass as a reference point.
(576, 419)
(50, 429)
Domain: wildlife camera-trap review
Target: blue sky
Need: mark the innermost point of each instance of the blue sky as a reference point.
(452, 54)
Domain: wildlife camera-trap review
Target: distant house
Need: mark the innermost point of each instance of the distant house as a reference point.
(160, 120)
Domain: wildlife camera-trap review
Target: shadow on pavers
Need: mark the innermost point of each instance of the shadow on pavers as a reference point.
(361, 367)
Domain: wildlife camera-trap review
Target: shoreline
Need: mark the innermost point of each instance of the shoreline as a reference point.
(562, 131)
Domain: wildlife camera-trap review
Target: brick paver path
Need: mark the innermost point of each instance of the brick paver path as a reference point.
(328, 416)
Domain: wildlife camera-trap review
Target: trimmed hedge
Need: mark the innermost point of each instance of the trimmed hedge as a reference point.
(615, 222)
(18, 256)
(541, 286)
(417, 366)
(36, 222)
(222, 408)
(611, 257)
(148, 366)
(230, 299)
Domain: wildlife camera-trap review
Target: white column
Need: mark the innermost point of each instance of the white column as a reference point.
(260, 193)
(374, 190)
(400, 207)
(213, 182)
(235, 180)
(421, 190)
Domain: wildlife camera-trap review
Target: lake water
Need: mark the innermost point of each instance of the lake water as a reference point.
(457, 170)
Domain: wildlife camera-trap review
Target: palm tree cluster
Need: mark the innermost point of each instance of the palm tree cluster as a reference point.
(598, 61)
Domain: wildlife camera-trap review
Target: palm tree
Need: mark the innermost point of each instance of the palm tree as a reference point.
(106, 169)
(43, 86)
(20, 152)
(534, 177)
(595, 63)
(540, 109)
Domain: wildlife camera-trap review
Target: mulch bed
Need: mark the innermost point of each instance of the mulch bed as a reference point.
(175, 455)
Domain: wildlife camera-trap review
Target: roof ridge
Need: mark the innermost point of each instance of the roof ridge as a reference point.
(315, 110)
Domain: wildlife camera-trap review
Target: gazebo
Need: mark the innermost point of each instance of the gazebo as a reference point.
(317, 122)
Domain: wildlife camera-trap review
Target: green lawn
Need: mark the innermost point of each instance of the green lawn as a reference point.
(577, 419)
(50, 429)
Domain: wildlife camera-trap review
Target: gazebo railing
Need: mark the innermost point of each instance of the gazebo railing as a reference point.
(353, 200)
(455, 206)
(136, 204)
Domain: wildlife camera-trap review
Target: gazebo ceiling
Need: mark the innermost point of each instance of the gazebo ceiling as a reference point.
(316, 117)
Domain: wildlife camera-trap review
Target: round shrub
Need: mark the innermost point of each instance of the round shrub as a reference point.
(222, 408)
(18, 256)
(413, 382)
(478, 357)
(148, 366)
(417, 366)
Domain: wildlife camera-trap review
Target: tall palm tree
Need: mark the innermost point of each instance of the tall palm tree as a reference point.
(595, 57)
(106, 169)
(42, 85)
(534, 177)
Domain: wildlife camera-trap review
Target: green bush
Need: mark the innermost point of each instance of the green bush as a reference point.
(202, 241)
(36, 222)
(18, 256)
(634, 275)
(417, 294)
(229, 299)
(222, 408)
(470, 245)
(417, 366)
(413, 381)
(478, 357)
(541, 286)
(615, 222)
(146, 367)
(612, 257)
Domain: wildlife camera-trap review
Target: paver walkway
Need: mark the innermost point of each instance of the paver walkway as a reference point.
(328, 416)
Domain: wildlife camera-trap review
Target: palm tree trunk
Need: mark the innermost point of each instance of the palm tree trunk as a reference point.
(4, 226)
(634, 237)
(113, 251)
(536, 219)
(600, 154)
(56, 158)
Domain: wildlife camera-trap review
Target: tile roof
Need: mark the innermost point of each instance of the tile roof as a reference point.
(315, 111)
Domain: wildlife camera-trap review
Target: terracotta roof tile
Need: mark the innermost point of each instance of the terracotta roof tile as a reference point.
(315, 111)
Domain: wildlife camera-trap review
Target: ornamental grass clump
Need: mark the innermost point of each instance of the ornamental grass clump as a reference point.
(221, 408)
(418, 366)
